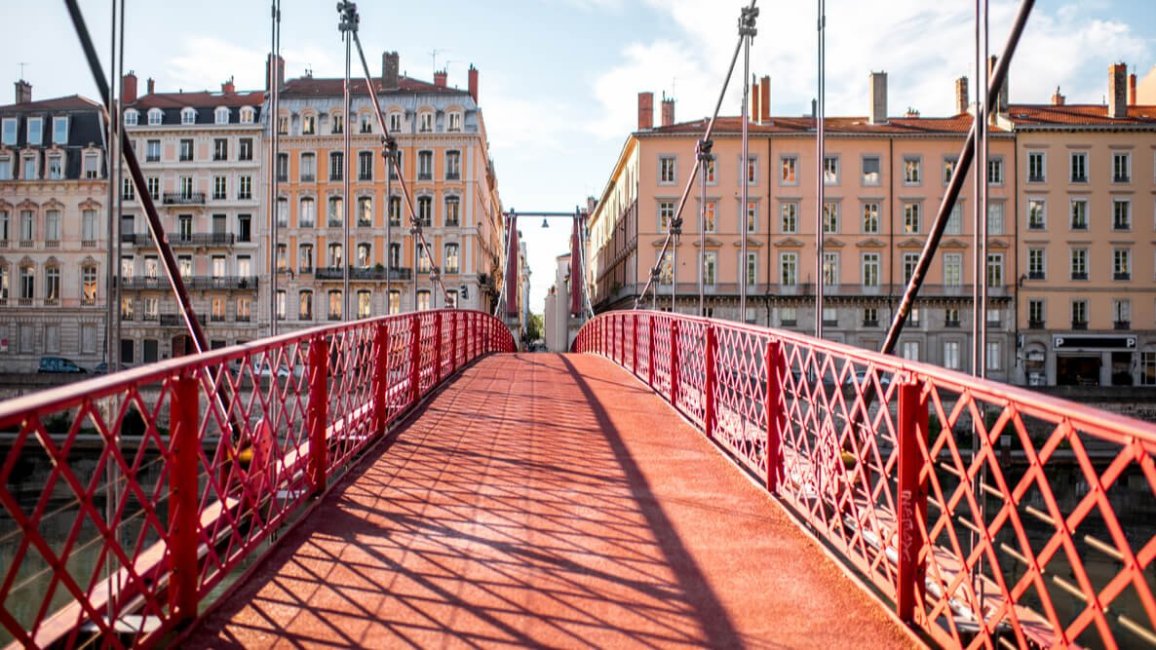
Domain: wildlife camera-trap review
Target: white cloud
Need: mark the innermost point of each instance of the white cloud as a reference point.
(204, 62)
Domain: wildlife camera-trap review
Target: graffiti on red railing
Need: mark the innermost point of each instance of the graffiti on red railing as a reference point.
(127, 500)
(1044, 536)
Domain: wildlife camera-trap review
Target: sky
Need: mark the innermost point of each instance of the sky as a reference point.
(559, 78)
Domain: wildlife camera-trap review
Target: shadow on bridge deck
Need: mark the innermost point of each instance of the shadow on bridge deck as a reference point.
(547, 500)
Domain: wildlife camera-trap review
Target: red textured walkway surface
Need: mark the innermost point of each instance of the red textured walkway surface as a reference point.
(548, 500)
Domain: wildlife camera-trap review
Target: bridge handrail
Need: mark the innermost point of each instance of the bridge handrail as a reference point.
(155, 485)
(1043, 537)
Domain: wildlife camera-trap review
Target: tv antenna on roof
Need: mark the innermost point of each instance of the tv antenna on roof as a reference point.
(22, 65)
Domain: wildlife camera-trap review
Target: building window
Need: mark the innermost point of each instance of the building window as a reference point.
(995, 170)
(307, 215)
(396, 165)
(87, 227)
(708, 170)
(55, 166)
(155, 116)
(994, 355)
(220, 149)
(423, 302)
(1037, 264)
(60, 130)
(424, 264)
(710, 216)
(365, 123)
(789, 269)
(1037, 214)
(453, 211)
(788, 170)
(995, 269)
(283, 212)
(395, 210)
(871, 268)
(335, 304)
(951, 317)
(425, 122)
(394, 122)
(364, 212)
(912, 170)
(752, 216)
(364, 255)
(336, 256)
(1036, 314)
(425, 211)
(216, 310)
(951, 355)
(282, 167)
(995, 218)
(186, 150)
(8, 131)
(51, 285)
(1121, 167)
(455, 119)
(305, 258)
(280, 304)
(1148, 368)
(1079, 264)
(365, 165)
(88, 286)
(1037, 163)
(1121, 214)
(912, 223)
(452, 262)
(1122, 264)
(789, 217)
(752, 170)
(336, 213)
(453, 165)
(219, 188)
(395, 255)
(308, 124)
(667, 170)
(831, 170)
(336, 124)
(788, 316)
(1079, 167)
(188, 116)
(336, 166)
(245, 149)
(364, 304)
(91, 165)
(27, 284)
(35, 131)
(245, 188)
(31, 163)
(52, 227)
(871, 171)
(1080, 314)
(305, 305)
(949, 164)
(909, 262)
(425, 165)
(5, 168)
(953, 269)
(27, 228)
(870, 218)
(831, 269)
(394, 302)
(244, 309)
(752, 268)
(1122, 313)
(308, 168)
(1079, 214)
(709, 267)
(831, 217)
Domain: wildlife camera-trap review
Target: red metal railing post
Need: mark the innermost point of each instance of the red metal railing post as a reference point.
(674, 361)
(912, 500)
(709, 383)
(414, 358)
(318, 414)
(438, 343)
(455, 323)
(774, 451)
(380, 376)
(183, 513)
(634, 344)
(650, 350)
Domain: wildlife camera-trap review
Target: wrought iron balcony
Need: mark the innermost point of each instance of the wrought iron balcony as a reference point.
(374, 273)
(182, 239)
(183, 198)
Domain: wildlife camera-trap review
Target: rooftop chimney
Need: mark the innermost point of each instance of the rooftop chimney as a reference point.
(1117, 90)
(667, 110)
(1002, 98)
(754, 108)
(645, 111)
(152, 85)
(878, 98)
(962, 96)
(765, 100)
(268, 73)
(1058, 99)
(128, 88)
(440, 78)
(390, 67)
(228, 87)
(473, 83)
(23, 92)
(1132, 90)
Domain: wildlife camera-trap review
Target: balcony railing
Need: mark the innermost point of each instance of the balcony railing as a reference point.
(183, 239)
(1123, 324)
(1121, 275)
(1079, 324)
(1036, 275)
(183, 198)
(1035, 324)
(335, 273)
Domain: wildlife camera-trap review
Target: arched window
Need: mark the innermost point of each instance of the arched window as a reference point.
(131, 117)
(156, 116)
(221, 115)
(248, 115)
(188, 115)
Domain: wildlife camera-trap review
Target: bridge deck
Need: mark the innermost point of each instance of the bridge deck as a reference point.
(548, 500)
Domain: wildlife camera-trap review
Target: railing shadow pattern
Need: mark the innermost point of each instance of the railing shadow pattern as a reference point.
(126, 501)
(1045, 535)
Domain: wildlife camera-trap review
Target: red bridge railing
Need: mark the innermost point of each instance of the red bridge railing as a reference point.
(125, 501)
(1044, 536)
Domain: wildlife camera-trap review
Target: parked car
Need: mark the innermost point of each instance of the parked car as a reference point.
(102, 368)
(60, 365)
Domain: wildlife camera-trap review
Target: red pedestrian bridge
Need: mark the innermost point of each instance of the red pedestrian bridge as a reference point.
(676, 481)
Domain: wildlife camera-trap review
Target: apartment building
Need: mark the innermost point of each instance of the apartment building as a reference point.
(201, 155)
(1087, 282)
(444, 158)
(884, 179)
(53, 231)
